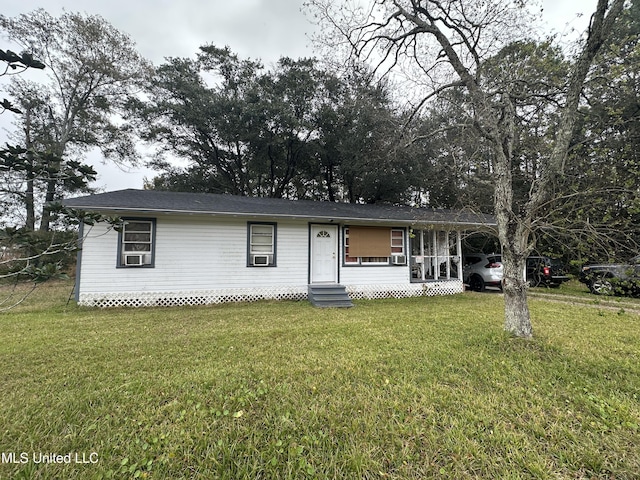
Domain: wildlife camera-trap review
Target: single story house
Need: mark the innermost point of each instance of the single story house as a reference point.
(194, 248)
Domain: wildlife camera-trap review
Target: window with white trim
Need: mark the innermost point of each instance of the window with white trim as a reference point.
(136, 243)
(398, 256)
(261, 245)
(374, 246)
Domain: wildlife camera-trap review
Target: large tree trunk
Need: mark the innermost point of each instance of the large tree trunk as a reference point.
(517, 319)
(29, 199)
(50, 196)
(513, 236)
(515, 250)
(515, 243)
(45, 221)
(29, 203)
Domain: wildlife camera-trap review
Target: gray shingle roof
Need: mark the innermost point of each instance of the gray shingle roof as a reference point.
(133, 201)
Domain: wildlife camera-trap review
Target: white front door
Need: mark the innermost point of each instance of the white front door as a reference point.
(324, 254)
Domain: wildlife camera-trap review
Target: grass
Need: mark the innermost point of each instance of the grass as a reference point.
(397, 389)
(580, 292)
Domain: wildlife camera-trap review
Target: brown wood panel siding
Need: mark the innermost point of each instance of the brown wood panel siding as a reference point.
(369, 242)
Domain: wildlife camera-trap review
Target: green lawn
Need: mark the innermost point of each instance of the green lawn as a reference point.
(390, 389)
(575, 288)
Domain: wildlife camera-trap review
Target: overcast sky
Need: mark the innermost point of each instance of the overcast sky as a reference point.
(258, 29)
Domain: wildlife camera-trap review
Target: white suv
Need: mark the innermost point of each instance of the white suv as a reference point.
(482, 270)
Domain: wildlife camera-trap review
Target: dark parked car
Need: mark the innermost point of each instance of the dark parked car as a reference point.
(545, 272)
(612, 278)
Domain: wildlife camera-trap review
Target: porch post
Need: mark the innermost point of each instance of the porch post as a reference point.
(434, 259)
(448, 236)
(459, 253)
(424, 265)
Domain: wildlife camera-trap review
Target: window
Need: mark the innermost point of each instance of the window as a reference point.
(374, 246)
(136, 243)
(348, 258)
(398, 256)
(261, 245)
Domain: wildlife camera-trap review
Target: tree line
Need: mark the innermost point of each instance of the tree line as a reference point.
(295, 131)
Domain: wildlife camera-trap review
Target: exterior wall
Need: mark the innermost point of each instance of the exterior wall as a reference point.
(373, 274)
(373, 282)
(203, 260)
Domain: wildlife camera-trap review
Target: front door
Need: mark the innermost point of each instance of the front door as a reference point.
(324, 254)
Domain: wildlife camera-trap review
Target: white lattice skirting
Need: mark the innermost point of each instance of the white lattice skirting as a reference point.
(372, 292)
(206, 297)
(195, 297)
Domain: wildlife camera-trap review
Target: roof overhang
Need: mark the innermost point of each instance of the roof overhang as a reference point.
(129, 203)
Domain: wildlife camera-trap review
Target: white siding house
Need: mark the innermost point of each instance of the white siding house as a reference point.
(182, 248)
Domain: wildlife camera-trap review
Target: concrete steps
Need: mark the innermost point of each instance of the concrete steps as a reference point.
(329, 295)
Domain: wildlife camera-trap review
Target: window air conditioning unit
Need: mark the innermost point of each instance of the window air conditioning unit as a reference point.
(260, 260)
(399, 260)
(133, 260)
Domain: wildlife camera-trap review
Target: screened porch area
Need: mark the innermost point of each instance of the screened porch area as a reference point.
(435, 255)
